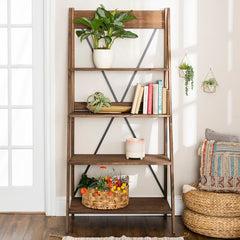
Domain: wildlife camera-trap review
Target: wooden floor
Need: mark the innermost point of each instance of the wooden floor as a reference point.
(40, 227)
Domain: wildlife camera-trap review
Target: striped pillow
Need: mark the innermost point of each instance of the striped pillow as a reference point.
(220, 166)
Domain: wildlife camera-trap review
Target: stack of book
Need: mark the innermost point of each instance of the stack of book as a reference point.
(154, 97)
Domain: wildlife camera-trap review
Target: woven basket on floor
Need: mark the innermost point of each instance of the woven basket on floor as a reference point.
(219, 227)
(117, 200)
(213, 204)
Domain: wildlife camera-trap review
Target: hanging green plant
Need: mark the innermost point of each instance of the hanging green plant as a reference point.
(210, 83)
(209, 86)
(188, 71)
(98, 101)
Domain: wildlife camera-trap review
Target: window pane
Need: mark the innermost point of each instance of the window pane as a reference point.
(3, 127)
(18, 7)
(21, 86)
(22, 167)
(3, 11)
(3, 168)
(3, 46)
(3, 86)
(22, 127)
(21, 46)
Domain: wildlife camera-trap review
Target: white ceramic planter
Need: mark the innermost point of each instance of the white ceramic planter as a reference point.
(102, 58)
(135, 148)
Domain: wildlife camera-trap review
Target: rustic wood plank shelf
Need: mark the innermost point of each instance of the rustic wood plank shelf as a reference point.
(117, 159)
(120, 69)
(87, 114)
(136, 206)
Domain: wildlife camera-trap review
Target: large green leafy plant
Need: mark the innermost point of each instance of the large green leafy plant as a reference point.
(106, 26)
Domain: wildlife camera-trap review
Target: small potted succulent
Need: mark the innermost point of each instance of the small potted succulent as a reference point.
(104, 28)
(186, 71)
(209, 86)
(98, 102)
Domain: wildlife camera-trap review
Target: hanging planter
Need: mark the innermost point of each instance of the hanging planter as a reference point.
(210, 83)
(186, 71)
(183, 63)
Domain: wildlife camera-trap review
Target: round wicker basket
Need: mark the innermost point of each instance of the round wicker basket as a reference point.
(213, 204)
(103, 201)
(219, 227)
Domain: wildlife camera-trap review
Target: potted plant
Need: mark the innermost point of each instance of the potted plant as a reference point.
(104, 28)
(186, 71)
(98, 102)
(209, 86)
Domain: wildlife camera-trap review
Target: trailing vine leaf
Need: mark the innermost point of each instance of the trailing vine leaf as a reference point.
(189, 75)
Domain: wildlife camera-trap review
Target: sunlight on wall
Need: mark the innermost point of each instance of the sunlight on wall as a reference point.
(230, 55)
(190, 125)
(148, 172)
(190, 23)
(133, 180)
(152, 148)
(230, 15)
(229, 107)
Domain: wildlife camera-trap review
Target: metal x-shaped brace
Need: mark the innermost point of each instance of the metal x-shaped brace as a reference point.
(122, 99)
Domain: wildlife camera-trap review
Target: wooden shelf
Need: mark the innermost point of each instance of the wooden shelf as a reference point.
(136, 206)
(87, 114)
(117, 159)
(145, 20)
(120, 69)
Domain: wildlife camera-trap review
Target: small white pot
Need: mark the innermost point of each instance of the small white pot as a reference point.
(102, 58)
(135, 148)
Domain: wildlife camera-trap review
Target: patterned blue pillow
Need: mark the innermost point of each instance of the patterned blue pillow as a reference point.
(220, 166)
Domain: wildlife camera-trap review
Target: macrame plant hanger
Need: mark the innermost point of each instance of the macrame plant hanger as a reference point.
(210, 83)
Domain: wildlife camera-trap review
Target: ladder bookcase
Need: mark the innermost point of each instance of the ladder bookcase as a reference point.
(143, 205)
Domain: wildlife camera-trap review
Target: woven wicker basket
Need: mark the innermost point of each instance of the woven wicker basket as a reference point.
(213, 204)
(219, 227)
(117, 200)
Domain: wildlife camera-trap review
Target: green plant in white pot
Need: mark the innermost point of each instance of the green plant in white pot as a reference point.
(210, 85)
(104, 28)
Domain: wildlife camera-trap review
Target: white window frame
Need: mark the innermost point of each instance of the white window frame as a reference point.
(49, 96)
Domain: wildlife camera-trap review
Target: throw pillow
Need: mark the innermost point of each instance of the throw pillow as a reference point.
(220, 166)
(212, 135)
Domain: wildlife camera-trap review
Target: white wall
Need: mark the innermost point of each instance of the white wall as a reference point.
(209, 31)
